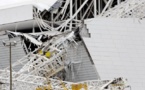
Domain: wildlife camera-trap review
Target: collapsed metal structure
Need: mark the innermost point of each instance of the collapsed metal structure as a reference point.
(60, 27)
(48, 60)
(127, 9)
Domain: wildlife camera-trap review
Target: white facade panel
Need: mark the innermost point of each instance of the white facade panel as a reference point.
(41, 4)
(81, 66)
(16, 14)
(17, 52)
(117, 47)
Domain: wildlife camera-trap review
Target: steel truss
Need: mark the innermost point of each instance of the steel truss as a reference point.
(71, 13)
(127, 9)
(31, 82)
(49, 58)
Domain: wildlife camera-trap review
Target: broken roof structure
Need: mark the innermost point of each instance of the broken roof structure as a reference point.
(58, 61)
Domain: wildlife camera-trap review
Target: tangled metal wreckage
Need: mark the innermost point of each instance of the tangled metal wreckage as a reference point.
(61, 27)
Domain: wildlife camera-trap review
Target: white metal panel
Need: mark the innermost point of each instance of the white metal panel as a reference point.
(16, 14)
(7, 3)
(83, 68)
(117, 47)
(23, 25)
(17, 52)
(38, 3)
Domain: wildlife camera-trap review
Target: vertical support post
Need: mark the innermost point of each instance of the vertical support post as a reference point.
(80, 10)
(71, 13)
(10, 67)
(118, 2)
(95, 9)
(99, 7)
(76, 7)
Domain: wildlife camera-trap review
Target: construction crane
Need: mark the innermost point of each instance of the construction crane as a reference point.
(47, 58)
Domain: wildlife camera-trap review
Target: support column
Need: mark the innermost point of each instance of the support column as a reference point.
(71, 13)
(76, 7)
(118, 2)
(10, 67)
(99, 7)
(95, 9)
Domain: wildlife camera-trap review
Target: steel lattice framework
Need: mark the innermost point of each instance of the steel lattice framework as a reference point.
(127, 9)
(49, 58)
(37, 68)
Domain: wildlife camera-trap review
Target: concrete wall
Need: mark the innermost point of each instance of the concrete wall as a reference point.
(117, 47)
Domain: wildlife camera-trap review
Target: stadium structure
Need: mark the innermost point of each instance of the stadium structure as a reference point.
(72, 45)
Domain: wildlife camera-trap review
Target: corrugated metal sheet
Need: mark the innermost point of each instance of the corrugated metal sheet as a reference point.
(117, 47)
(81, 65)
(17, 52)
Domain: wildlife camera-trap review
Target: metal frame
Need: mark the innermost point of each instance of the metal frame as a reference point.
(31, 82)
(37, 68)
(127, 9)
(74, 5)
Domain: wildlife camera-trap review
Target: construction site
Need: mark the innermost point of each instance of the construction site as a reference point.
(72, 45)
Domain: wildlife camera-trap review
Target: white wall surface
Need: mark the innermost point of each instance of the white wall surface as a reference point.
(7, 2)
(117, 47)
(38, 3)
(16, 14)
